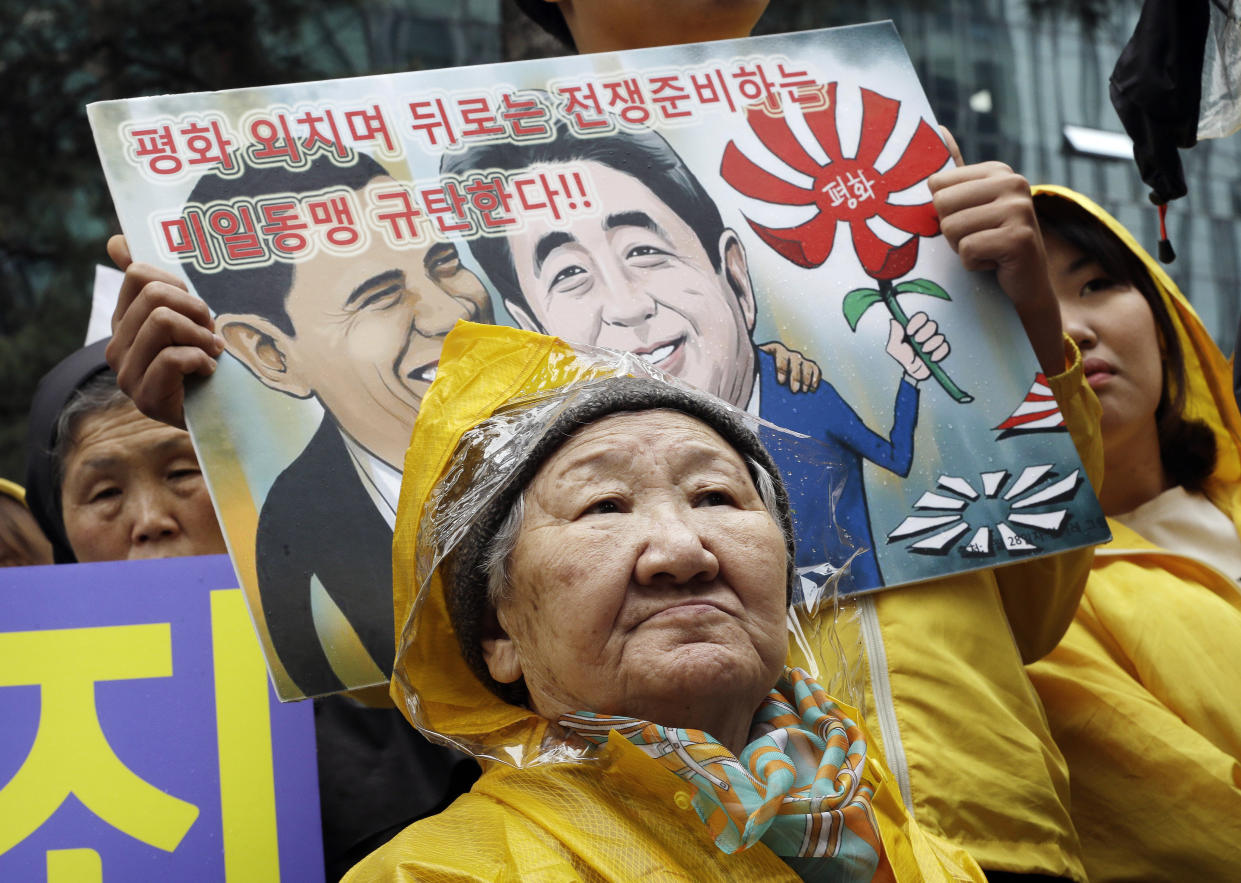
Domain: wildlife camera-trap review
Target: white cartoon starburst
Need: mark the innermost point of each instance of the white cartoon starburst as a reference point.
(1023, 505)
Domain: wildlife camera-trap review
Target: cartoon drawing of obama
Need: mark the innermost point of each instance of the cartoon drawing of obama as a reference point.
(360, 333)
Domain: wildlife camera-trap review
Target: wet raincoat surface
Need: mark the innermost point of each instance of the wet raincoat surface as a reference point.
(1001, 792)
(1144, 692)
(541, 810)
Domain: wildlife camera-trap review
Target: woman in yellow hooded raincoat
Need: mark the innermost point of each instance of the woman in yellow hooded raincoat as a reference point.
(1144, 692)
(521, 423)
(962, 641)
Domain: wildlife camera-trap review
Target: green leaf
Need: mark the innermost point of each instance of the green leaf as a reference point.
(857, 302)
(922, 286)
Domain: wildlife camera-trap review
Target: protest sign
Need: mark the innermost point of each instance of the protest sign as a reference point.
(751, 216)
(142, 739)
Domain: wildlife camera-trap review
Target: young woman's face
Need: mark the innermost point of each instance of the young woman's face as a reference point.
(1113, 325)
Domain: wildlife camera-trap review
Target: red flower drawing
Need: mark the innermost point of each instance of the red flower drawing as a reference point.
(845, 189)
(852, 190)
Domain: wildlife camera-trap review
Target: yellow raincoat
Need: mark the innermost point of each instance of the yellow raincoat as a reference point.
(986, 777)
(533, 816)
(1144, 692)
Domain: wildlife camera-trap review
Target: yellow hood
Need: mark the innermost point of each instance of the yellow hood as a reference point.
(13, 489)
(1209, 395)
(482, 368)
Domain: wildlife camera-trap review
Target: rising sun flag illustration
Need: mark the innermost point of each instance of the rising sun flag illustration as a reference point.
(997, 512)
(1038, 412)
(850, 190)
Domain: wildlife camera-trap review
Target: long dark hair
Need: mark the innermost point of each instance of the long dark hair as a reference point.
(1186, 446)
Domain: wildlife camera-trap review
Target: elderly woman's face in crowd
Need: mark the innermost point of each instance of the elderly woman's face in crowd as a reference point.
(132, 489)
(647, 576)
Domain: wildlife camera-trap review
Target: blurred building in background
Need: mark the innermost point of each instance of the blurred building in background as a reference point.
(1009, 77)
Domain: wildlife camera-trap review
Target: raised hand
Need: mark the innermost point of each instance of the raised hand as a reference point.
(794, 370)
(987, 215)
(160, 334)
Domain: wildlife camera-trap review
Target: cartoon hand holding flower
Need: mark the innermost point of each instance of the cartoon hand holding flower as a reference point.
(852, 190)
(921, 335)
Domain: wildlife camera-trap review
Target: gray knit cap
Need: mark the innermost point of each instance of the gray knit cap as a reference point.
(464, 569)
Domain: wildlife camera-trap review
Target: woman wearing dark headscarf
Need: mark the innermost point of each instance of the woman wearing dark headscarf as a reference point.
(107, 483)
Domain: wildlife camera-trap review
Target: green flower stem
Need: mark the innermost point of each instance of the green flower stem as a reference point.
(950, 387)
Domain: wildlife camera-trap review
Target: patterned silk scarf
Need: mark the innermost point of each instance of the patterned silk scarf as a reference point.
(800, 785)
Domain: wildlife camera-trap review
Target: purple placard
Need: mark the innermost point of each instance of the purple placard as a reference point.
(161, 726)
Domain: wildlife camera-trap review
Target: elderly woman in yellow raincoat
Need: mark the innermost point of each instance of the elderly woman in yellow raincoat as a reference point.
(1143, 694)
(592, 584)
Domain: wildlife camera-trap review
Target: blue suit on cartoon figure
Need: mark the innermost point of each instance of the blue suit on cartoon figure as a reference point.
(826, 417)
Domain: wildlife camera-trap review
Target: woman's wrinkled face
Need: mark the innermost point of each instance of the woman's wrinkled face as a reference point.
(647, 576)
(133, 489)
(1113, 325)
